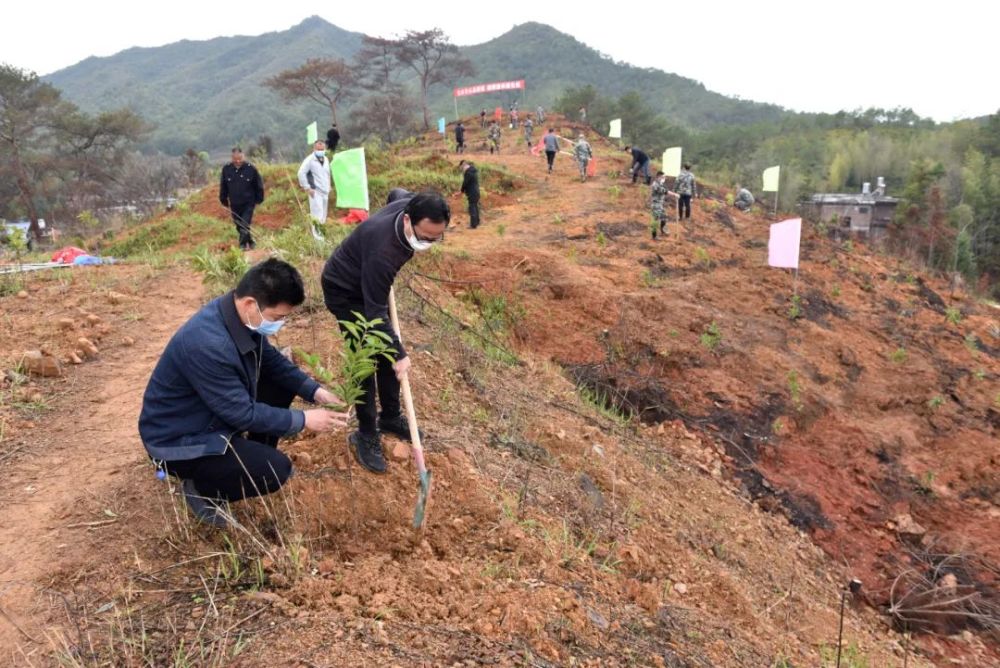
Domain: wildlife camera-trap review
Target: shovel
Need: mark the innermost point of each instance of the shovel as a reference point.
(424, 490)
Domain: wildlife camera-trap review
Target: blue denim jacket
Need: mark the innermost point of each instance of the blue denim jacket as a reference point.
(204, 388)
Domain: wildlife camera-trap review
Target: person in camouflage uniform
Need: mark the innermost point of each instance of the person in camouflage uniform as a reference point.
(494, 137)
(686, 187)
(658, 194)
(744, 199)
(583, 153)
(528, 127)
(540, 114)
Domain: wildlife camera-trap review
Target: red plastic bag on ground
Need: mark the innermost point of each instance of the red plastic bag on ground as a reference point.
(537, 149)
(68, 254)
(354, 216)
(592, 167)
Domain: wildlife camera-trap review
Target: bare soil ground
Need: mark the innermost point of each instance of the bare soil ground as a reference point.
(762, 467)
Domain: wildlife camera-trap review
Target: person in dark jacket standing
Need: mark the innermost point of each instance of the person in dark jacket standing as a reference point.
(332, 139)
(460, 138)
(357, 279)
(241, 189)
(551, 141)
(640, 163)
(686, 187)
(219, 397)
(470, 188)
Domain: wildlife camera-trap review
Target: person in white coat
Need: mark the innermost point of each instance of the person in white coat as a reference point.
(314, 177)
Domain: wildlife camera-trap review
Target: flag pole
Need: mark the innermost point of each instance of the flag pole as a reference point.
(455, 98)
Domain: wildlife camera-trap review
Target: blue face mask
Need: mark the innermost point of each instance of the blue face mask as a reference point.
(266, 327)
(320, 154)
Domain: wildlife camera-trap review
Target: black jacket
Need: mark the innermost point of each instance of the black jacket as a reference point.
(332, 138)
(460, 134)
(470, 183)
(361, 271)
(639, 157)
(240, 185)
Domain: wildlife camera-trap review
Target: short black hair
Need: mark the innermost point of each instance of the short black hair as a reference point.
(428, 204)
(687, 165)
(659, 173)
(628, 148)
(272, 282)
(237, 149)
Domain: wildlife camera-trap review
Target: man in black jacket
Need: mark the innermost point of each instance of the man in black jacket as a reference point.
(240, 190)
(640, 163)
(357, 279)
(460, 138)
(332, 139)
(470, 188)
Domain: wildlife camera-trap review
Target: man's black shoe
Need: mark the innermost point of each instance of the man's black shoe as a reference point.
(367, 449)
(396, 426)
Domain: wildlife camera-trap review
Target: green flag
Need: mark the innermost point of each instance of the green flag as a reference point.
(312, 133)
(771, 177)
(350, 179)
(672, 161)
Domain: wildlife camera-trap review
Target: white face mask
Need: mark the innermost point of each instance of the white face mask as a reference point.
(416, 244)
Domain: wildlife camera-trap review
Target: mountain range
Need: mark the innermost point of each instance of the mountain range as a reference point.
(208, 94)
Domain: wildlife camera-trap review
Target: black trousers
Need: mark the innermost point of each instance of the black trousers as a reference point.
(551, 157)
(251, 466)
(474, 212)
(684, 207)
(460, 146)
(242, 217)
(383, 382)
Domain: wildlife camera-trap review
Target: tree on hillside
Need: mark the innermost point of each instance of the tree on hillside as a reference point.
(435, 60)
(46, 141)
(28, 109)
(323, 80)
(387, 111)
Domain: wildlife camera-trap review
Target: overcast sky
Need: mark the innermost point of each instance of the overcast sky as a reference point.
(941, 59)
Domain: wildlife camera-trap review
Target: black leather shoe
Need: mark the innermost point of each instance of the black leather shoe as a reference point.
(397, 426)
(367, 449)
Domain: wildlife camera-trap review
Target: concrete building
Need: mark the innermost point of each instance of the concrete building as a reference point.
(866, 213)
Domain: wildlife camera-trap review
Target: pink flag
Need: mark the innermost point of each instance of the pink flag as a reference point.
(537, 149)
(783, 247)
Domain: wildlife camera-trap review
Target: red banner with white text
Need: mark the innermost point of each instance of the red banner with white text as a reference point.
(494, 87)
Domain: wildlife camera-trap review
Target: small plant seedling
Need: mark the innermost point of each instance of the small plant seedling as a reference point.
(899, 355)
(778, 427)
(648, 280)
(795, 389)
(711, 337)
(953, 315)
(980, 374)
(363, 346)
(848, 246)
(501, 229)
(615, 192)
(601, 240)
(701, 257)
(795, 310)
(557, 219)
(835, 290)
(935, 402)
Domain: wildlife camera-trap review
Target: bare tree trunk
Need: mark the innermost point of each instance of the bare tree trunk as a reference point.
(333, 111)
(27, 194)
(423, 100)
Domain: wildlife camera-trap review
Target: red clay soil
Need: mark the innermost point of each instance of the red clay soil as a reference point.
(557, 535)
